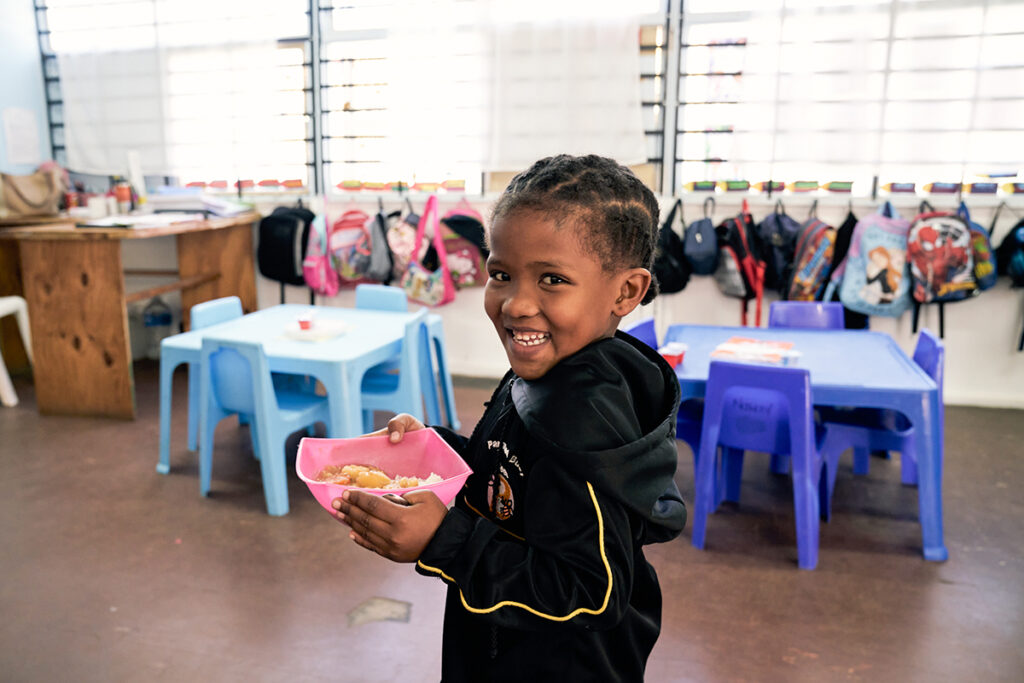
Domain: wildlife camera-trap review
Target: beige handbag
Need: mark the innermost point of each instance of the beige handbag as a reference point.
(36, 194)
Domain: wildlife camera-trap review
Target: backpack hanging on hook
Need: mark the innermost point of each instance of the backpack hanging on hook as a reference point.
(812, 259)
(700, 243)
(671, 268)
(778, 233)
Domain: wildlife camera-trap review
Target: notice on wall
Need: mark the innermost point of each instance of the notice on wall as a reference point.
(21, 136)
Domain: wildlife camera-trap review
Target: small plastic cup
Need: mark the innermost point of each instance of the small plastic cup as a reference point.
(305, 322)
(673, 353)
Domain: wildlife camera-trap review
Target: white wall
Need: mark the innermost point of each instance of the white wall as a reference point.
(983, 367)
(21, 76)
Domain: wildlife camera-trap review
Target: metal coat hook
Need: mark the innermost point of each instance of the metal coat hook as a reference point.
(712, 212)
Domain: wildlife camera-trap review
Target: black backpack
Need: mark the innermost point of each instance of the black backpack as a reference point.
(700, 242)
(671, 269)
(778, 233)
(282, 244)
(1010, 253)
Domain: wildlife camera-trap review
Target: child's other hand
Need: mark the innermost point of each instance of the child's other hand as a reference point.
(397, 532)
(398, 426)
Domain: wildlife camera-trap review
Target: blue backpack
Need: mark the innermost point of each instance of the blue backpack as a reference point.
(985, 273)
(700, 243)
(874, 278)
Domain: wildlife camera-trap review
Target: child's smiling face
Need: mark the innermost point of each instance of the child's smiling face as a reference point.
(547, 296)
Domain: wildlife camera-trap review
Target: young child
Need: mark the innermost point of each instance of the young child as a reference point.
(573, 458)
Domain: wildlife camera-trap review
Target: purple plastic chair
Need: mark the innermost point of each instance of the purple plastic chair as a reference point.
(865, 429)
(766, 409)
(806, 315)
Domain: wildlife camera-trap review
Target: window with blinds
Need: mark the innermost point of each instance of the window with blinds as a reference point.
(404, 104)
(212, 93)
(854, 90)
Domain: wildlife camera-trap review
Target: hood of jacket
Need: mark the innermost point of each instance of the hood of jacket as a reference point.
(608, 413)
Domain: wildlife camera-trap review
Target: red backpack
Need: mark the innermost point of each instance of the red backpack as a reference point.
(741, 265)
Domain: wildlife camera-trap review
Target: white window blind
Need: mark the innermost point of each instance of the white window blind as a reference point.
(853, 90)
(214, 91)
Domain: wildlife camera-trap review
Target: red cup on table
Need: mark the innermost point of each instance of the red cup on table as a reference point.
(673, 352)
(306, 322)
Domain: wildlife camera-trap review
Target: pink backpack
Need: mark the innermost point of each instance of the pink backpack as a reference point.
(350, 243)
(317, 269)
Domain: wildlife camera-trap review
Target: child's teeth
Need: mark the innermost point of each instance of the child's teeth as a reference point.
(529, 339)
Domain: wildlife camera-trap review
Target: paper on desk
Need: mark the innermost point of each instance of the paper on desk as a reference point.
(146, 220)
(322, 330)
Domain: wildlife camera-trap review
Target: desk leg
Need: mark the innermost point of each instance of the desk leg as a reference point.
(79, 319)
(227, 252)
(929, 442)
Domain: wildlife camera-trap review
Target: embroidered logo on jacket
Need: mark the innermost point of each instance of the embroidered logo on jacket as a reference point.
(500, 496)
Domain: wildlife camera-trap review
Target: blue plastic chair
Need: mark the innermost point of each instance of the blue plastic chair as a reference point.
(235, 378)
(204, 315)
(400, 392)
(865, 430)
(766, 409)
(384, 298)
(806, 315)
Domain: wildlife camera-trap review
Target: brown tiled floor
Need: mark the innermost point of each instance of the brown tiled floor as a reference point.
(111, 572)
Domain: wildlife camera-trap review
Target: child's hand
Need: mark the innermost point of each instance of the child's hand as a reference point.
(397, 532)
(398, 426)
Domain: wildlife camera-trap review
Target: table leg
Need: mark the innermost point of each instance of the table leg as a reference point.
(167, 366)
(75, 293)
(344, 402)
(926, 418)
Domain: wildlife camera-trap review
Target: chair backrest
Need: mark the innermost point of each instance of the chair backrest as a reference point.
(239, 375)
(215, 311)
(758, 407)
(930, 355)
(415, 346)
(381, 298)
(645, 332)
(806, 314)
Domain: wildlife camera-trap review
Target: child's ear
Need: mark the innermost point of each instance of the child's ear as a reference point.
(633, 284)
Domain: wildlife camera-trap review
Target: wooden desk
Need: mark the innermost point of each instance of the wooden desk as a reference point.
(74, 283)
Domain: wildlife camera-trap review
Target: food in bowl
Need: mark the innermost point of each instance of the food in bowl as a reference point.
(370, 477)
(421, 455)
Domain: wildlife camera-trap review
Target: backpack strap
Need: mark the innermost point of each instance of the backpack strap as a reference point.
(709, 214)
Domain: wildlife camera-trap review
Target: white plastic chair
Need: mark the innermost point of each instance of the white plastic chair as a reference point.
(14, 305)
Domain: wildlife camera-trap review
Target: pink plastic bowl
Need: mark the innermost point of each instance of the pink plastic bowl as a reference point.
(417, 455)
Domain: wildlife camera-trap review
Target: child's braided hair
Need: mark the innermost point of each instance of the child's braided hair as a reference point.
(619, 212)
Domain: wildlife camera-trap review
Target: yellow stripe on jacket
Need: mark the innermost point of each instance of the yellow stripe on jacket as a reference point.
(531, 610)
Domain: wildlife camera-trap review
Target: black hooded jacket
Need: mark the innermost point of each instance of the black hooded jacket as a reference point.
(543, 550)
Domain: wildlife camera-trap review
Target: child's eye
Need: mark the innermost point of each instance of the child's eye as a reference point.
(499, 275)
(552, 279)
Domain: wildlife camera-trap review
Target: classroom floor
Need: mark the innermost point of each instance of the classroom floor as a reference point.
(111, 572)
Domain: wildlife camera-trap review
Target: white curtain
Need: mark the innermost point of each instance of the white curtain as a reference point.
(114, 102)
(566, 85)
(200, 88)
(496, 85)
